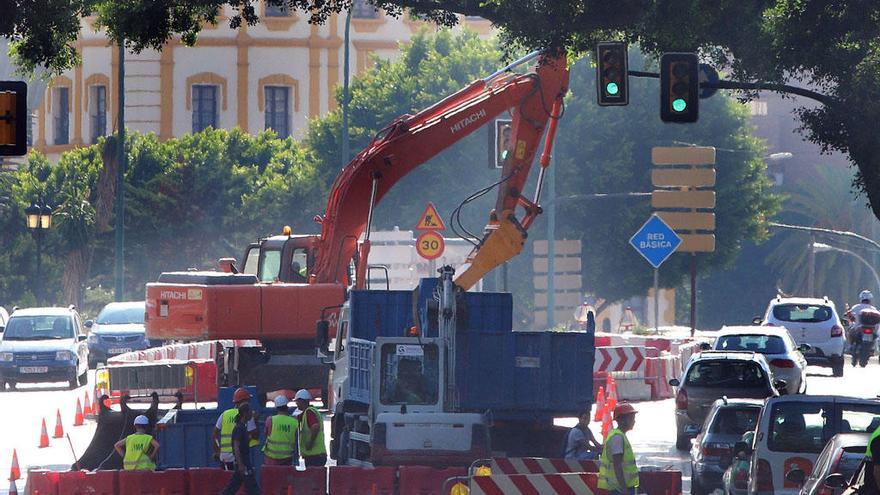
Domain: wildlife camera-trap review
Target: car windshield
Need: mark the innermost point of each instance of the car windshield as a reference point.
(850, 460)
(121, 315)
(763, 344)
(735, 420)
(726, 373)
(39, 328)
(802, 313)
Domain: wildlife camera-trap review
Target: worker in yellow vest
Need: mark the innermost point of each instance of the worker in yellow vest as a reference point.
(138, 450)
(311, 431)
(618, 472)
(221, 437)
(280, 448)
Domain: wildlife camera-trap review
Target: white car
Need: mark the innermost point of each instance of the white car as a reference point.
(811, 321)
(779, 349)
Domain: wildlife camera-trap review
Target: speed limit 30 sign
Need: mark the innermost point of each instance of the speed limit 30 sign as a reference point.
(430, 245)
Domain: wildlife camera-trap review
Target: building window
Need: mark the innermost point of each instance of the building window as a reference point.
(278, 109)
(204, 107)
(757, 108)
(62, 115)
(98, 112)
(274, 10)
(362, 9)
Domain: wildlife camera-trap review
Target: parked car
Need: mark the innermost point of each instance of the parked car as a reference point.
(711, 375)
(4, 317)
(712, 450)
(841, 455)
(119, 328)
(43, 345)
(736, 477)
(811, 321)
(793, 430)
(784, 356)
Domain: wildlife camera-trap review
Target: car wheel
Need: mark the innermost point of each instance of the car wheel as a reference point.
(696, 489)
(683, 443)
(837, 369)
(2, 386)
(93, 363)
(84, 378)
(12, 384)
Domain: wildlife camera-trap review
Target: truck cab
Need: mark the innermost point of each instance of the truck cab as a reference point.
(281, 258)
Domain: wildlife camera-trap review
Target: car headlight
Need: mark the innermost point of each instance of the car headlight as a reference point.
(64, 356)
(6, 356)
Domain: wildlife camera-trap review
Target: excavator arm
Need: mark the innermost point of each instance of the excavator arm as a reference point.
(534, 98)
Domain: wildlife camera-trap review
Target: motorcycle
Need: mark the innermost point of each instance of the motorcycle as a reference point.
(864, 336)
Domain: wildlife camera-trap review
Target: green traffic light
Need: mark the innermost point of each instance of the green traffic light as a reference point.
(612, 88)
(679, 104)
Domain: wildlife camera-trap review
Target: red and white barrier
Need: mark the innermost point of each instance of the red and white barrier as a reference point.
(545, 484)
(540, 465)
(628, 358)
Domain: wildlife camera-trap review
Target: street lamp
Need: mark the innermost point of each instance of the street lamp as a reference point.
(819, 247)
(39, 218)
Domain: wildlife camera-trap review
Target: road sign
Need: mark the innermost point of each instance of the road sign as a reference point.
(655, 241)
(683, 177)
(708, 74)
(430, 219)
(13, 118)
(683, 155)
(697, 243)
(430, 245)
(683, 199)
(688, 220)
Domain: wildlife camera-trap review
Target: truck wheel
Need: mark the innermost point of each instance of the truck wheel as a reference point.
(683, 443)
(696, 489)
(2, 386)
(342, 453)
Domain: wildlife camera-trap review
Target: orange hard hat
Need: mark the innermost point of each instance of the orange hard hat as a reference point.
(623, 409)
(241, 395)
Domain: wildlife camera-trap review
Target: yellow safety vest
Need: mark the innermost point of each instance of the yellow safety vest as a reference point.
(305, 434)
(226, 427)
(870, 440)
(607, 477)
(136, 447)
(281, 441)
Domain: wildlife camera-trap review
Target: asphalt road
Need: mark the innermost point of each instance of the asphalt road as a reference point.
(653, 438)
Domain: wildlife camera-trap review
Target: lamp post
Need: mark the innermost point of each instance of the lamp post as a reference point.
(39, 218)
(819, 247)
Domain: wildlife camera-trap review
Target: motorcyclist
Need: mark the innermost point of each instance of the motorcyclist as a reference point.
(865, 298)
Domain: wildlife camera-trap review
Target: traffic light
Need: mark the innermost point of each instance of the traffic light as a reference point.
(679, 87)
(13, 118)
(611, 73)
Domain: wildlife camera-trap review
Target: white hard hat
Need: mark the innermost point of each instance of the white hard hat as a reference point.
(141, 420)
(281, 401)
(865, 295)
(302, 394)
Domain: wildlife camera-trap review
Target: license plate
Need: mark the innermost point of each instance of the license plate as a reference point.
(34, 369)
(867, 337)
(690, 428)
(119, 350)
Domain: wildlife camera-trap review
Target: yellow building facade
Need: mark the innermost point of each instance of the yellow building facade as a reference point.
(276, 74)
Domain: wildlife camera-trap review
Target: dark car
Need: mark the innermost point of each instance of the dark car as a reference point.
(841, 455)
(712, 450)
(711, 375)
(42, 345)
(118, 329)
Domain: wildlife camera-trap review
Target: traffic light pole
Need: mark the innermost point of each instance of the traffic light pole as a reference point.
(693, 293)
(120, 181)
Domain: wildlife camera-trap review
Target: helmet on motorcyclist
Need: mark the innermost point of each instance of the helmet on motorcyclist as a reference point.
(866, 295)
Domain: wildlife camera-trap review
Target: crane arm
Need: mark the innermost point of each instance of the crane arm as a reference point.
(410, 141)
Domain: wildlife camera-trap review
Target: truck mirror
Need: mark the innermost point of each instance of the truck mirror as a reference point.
(227, 265)
(322, 336)
(796, 476)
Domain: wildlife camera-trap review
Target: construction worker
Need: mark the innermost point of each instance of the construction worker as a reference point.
(221, 437)
(244, 473)
(138, 450)
(618, 472)
(281, 429)
(311, 431)
(580, 444)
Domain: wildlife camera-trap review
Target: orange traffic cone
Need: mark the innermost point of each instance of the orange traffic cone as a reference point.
(611, 394)
(13, 490)
(600, 405)
(14, 471)
(78, 419)
(87, 404)
(95, 408)
(59, 430)
(606, 422)
(44, 436)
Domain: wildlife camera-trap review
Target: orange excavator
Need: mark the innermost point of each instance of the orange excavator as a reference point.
(287, 283)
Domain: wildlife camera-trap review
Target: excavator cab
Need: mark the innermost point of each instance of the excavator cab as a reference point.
(280, 259)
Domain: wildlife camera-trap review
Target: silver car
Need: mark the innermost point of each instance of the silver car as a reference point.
(841, 455)
(712, 451)
(784, 356)
(711, 375)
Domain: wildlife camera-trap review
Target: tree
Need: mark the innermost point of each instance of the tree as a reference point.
(766, 44)
(608, 150)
